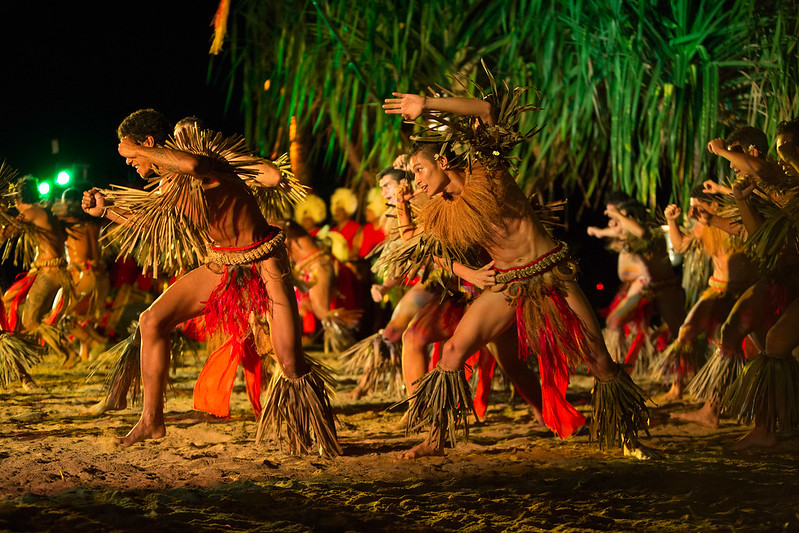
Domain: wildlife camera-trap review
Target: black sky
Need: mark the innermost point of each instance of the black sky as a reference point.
(73, 70)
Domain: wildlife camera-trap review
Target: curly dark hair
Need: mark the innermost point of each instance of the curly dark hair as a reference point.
(26, 190)
(698, 192)
(394, 173)
(190, 121)
(789, 126)
(636, 210)
(616, 198)
(139, 124)
(294, 231)
(747, 136)
(431, 150)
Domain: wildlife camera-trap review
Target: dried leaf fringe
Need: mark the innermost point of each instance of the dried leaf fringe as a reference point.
(442, 401)
(17, 352)
(125, 374)
(716, 376)
(339, 329)
(618, 411)
(679, 359)
(379, 363)
(277, 203)
(55, 339)
(766, 393)
(301, 407)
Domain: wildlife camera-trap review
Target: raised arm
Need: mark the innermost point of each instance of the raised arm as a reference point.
(95, 204)
(411, 106)
(266, 173)
(711, 187)
(407, 227)
(167, 159)
(678, 240)
(629, 225)
(768, 172)
(741, 190)
(594, 231)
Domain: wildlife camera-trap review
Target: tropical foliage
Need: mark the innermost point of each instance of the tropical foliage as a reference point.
(631, 91)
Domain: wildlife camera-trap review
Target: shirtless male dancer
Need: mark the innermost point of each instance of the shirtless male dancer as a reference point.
(533, 273)
(238, 235)
(36, 291)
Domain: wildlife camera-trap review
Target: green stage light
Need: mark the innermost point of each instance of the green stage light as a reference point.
(62, 178)
(44, 188)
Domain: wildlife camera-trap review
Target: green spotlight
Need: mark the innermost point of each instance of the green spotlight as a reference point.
(62, 178)
(44, 188)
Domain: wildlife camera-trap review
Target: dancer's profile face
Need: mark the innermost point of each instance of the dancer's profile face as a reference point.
(736, 147)
(429, 175)
(142, 165)
(388, 188)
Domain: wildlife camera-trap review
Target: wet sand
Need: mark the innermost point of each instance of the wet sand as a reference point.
(60, 471)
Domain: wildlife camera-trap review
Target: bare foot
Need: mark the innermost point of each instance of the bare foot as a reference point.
(142, 431)
(402, 425)
(423, 449)
(84, 351)
(356, 394)
(71, 360)
(103, 406)
(641, 452)
(671, 396)
(757, 437)
(29, 385)
(707, 416)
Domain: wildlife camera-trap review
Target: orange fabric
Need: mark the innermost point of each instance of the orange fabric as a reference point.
(485, 364)
(215, 384)
(14, 297)
(559, 415)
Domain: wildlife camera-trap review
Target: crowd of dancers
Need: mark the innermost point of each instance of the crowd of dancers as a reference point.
(455, 276)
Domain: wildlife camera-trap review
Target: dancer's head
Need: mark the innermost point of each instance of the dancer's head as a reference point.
(389, 180)
(429, 161)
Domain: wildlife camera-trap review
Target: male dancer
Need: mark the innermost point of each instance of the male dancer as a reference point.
(246, 272)
(481, 205)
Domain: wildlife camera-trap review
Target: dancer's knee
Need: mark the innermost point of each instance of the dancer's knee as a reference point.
(153, 324)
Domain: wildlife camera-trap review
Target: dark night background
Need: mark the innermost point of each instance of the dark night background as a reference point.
(73, 71)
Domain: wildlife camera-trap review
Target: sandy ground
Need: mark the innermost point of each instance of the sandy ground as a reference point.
(60, 471)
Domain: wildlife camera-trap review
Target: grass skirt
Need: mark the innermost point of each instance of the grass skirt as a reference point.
(678, 361)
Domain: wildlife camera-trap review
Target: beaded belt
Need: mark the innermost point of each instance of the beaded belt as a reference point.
(58, 262)
(245, 254)
(541, 265)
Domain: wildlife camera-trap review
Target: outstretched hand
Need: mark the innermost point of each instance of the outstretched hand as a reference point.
(93, 202)
(410, 106)
(593, 231)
